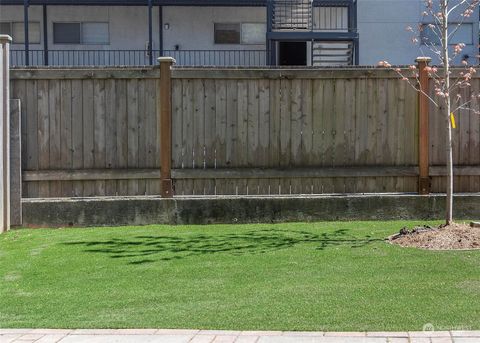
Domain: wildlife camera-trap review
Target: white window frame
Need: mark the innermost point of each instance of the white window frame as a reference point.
(241, 32)
(453, 25)
(11, 23)
(81, 23)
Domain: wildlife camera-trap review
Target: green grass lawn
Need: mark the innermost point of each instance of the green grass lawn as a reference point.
(302, 276)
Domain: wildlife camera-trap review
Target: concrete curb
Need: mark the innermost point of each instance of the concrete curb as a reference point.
(114, 211)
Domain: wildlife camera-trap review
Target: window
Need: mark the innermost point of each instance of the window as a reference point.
(464, 34)
(227, 33)
(236, 33)
(6, 29)
(253, 33)
(95, 33)
(17, 31)
(80, 33)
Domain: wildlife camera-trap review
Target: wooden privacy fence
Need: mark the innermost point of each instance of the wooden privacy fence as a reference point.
(88, 132)
(227, 131)
(303, 132)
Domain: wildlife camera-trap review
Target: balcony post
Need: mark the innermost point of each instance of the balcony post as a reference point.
(160, 32)
(45, 36)
(268, 42)
(25, 25)
(164, 119)
(150, 39)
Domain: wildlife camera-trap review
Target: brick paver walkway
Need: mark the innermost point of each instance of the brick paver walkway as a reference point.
(211, 336)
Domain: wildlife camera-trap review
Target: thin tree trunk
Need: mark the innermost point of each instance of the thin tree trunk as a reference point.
(448, 150)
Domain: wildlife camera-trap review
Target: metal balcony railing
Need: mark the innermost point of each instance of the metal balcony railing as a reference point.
(292, 15)
(139, 57)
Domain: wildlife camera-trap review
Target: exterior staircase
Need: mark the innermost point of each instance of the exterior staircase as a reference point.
(326, 54)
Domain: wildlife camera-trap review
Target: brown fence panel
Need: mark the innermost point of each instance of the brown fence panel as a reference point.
(88, 132)
(466, 145)
(239, 119)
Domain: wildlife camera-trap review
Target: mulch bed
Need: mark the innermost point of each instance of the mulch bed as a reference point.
(457, 236)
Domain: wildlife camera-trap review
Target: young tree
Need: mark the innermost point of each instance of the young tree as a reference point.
(435, 33)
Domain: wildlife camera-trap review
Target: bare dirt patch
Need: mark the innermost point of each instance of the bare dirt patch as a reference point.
(457, 236)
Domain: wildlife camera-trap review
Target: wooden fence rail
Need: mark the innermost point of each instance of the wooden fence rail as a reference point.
(100, 132)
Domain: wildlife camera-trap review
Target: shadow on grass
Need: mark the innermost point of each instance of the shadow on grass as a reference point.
(151, 248)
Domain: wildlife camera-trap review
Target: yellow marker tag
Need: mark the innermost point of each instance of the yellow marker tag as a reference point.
(452, 119)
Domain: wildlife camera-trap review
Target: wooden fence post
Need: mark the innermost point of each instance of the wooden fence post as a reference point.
(164, 117)
(5, 129)
(423, 136)
(15, 163)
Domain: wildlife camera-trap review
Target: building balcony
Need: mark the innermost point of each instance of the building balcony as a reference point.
(76, 58)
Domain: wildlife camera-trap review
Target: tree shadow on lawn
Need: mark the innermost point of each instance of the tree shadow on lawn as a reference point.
(166, 248)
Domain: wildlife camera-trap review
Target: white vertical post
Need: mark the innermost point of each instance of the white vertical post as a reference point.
(5, 129)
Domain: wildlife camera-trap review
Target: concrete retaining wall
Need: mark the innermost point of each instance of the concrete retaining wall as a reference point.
(206, 210)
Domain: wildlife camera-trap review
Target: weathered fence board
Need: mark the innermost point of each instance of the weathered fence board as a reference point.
(272, 122)
(15, 164)
(92, 123)
(466, 144)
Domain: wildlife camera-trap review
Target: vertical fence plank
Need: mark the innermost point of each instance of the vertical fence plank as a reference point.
(474, 139)
(88, 133)
(252, 132)
(132, 135)
(328, 122)
(111, 160)
(77, 133)
(54, 110)
(350, 121)
(187, 135)
(43, 135)
(99, 156)
(210, 132)
(264, 117)
(152, 136)
(397, 103)
(220, 131)
(338, 134)
(19, 91)
(242, 133)
(231, 143)
(122, 133)
(199, 132)
(66, 147)
(15, 163)
(318, 130)
(296, 132)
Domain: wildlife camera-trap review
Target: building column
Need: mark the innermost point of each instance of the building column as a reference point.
(160, 29)
(150, 40)
(25, 25)
(45, 36)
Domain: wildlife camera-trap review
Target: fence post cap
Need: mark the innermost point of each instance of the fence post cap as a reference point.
(166, 59)
(425, 59)
(5, 39)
